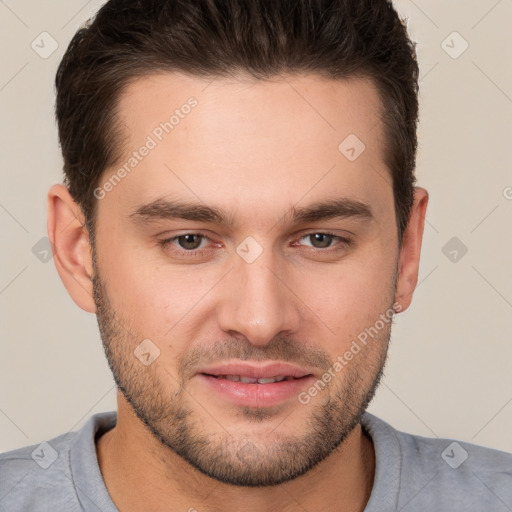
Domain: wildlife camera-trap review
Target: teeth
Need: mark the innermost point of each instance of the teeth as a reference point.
(270, 380)
(253, 380)
(248, 380)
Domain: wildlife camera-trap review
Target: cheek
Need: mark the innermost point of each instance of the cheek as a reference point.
(157, 299)
(352, 295)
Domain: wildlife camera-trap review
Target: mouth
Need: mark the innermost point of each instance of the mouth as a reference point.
(252, 373)
(254, 380)
(252, 385)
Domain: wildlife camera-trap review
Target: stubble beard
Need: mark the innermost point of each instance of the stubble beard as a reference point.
(175, 418)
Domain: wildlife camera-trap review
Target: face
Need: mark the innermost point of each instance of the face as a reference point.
(246, 243)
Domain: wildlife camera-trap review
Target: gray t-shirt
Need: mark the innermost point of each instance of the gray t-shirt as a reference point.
(413, 473)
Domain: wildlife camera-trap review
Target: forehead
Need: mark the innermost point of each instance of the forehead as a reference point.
(239, 141)
(306, 104)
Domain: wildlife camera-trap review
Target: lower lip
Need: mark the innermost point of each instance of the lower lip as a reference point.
(257, 395)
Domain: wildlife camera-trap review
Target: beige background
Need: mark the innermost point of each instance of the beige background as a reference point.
(449, 372)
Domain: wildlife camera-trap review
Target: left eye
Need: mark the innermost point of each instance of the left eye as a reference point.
(188, 242)
(321, 240)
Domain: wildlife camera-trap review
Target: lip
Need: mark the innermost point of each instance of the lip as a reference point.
(256, 394)
(257, 371)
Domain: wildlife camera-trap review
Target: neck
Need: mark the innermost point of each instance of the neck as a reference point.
(141, 474)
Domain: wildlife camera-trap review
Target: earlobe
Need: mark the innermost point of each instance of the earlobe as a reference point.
(71, 247)
(409, 258)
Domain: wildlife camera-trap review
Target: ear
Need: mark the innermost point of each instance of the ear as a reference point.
(409, 258)
(71, 248)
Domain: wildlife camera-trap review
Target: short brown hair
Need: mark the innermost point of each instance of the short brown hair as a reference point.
(262, 38)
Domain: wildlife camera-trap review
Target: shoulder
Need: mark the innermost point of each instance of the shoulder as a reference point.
(54, 474)
(29, 476)
(442, 473)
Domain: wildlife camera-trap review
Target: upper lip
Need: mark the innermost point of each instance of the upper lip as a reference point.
(263, 371)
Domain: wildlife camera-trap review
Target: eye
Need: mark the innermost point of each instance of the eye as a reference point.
(325, 240)
(185, 243)
(190, 241)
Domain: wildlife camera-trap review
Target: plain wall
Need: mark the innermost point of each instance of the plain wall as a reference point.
(449, 368)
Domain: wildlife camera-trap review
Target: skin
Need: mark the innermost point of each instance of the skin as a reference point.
(255, 149)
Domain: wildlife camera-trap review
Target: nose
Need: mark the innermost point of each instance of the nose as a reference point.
(258, 302)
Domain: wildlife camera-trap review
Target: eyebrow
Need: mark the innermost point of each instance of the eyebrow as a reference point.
(167, 209)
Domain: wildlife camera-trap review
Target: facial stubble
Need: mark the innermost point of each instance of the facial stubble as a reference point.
(173, 416)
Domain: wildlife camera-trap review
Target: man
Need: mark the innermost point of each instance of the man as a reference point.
(240, 213)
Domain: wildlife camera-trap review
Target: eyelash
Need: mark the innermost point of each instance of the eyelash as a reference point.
(342, 243)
